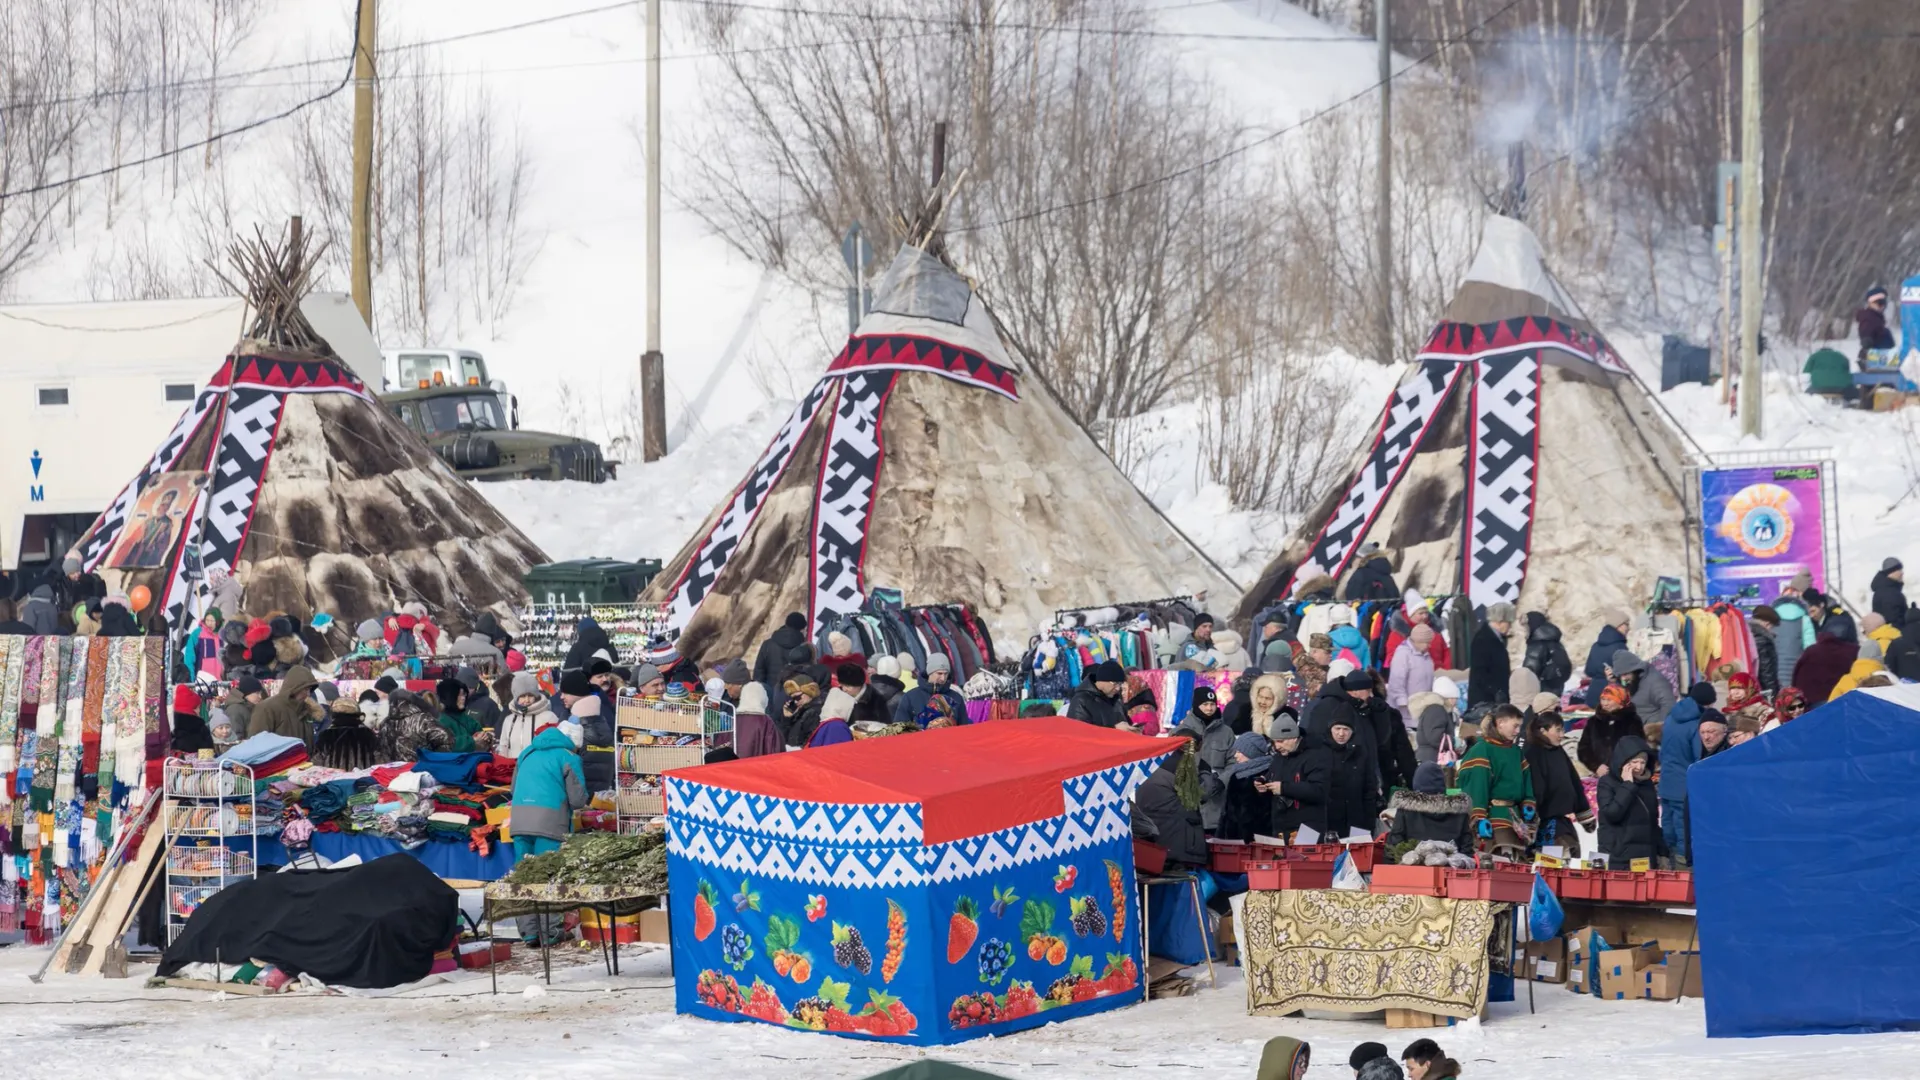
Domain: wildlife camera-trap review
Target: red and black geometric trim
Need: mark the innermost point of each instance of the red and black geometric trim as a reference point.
(294, 376)
(908, 352)
(1467, 341)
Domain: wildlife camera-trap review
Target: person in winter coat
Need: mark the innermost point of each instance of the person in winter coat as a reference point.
(190, 732)
(884, 687)
(347, 743)
(1612, 639)
(1276, 652)
(1495, 776)
(1414, 612)
(938, 682)
(116, 618)
(1629, 806)
(1200, 639)
(586, 712)
(1877, 630)
(1410, 672)
(1142, 708)
(1652, 694)
(1298, 779)
(1284, 1058)
(1491, 669)
(1207, 726)
(1903, 652)
(801, 711)
(1546, 656)
(1227, 654)
(549, 784)
(1557, 790)
(1310, 667)
(1248, 811)
(528, 712)
(1822, 666)
(588, 639)
(1427, 812)
(1523, 686)
(1175, 814)
(38, 612)
(1745, 702)
(425, 633)
(243, 694)
(474, 649)
(1346, 699)
(1871, 320)
(1347, 639)
(834, 711)
(1253, 709)
(1864, 668)
(412, 725)
(464, 733)
(1890, 593)
(1372, 581)
(1616, 719)
(1434, 735)
(1097, 701)
(1353, 789)
(292, 710)
(1392, 745)
(1424, 1061)
(1764, 623)
(754, 732)
(479, 702)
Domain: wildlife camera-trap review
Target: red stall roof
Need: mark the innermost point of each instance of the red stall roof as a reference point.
(968, 780)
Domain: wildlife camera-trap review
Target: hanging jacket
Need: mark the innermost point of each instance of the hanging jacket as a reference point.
(1431, 817)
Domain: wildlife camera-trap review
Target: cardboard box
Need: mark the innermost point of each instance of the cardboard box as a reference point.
(1577, 977)
(1677, 976)
(1577, 940)
(1620, 971)
(653, 926)
(1547, 961)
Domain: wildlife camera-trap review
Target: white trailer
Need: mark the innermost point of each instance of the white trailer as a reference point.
(88, 390)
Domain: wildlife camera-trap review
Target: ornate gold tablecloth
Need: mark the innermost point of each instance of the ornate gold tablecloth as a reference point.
(1357, 952)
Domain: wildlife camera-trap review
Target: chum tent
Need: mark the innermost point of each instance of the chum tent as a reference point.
(923, 461)
(1805, 896)
(905, 880)
(288, 473)
(1518, 460)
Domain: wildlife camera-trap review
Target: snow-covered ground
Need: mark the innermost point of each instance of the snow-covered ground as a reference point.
(588, 1025)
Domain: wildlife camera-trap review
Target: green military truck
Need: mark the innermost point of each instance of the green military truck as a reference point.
(467, 427)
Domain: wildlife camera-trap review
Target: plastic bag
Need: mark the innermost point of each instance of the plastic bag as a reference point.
(1544, 913)
(1346, 875)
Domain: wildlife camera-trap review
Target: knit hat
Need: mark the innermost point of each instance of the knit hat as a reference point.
(839, 644)
(906, 662)
(1545, 702)
(70, 565)
(1876, 292)
(416, 609)
(753, 699)
(1421, 635)
(1712, 716)
(644, 674)
(1320, 641)
(1502, 612)
(736, 673)
(185, 700)
(661, 654)
(1802, 580)
(1522, 684)
(1204, 695)
(1274, 617)
(796, 621)
(575, 684)
(1339, 670)
(1703, 693)
(1364, 1053)
(1615, 698)
(888, 666)
(1446, 688)
(938, 662)
(1253, 744)
(1872, 621)
(1339, 615)
(1203, 619)
(1615, 616)
(1870, 650)
(676, 692)
(1344, 720)
(468, 677)
(328, 692)
(386, 684)
(850, 675)
(1890, 563)
(598, 667)
(1412, 599)
(1284, 727)
(716, 688)
(525, 683)
(1104, 671)
(368, 630)
(1430, 779)
(1355, 680)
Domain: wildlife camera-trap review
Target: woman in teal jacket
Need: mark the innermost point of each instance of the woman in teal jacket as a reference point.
(548, 786)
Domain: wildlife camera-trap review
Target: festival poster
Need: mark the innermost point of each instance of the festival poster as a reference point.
(158, 519)
(1763, 525)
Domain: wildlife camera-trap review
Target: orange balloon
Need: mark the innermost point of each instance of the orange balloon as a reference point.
(140, 597)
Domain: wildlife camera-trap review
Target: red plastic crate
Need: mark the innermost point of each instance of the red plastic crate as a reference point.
(1325, 853)
(1409, 880)
(1366, 856)
(1296, 874)
(1670, 886)
(1266, 852)
(1226, 858)
(1623, 887)
(477, 954)
(1580, 885)
(1149, 857)
(1507, 885)
(1550, 875)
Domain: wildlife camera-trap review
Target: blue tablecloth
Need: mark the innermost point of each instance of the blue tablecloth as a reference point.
(445, 859)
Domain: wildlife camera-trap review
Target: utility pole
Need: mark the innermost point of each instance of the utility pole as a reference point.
(1752, 290)
(363, 162)
(653, 365)
(1383, 225)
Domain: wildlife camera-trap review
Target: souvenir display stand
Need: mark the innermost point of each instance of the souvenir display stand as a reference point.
(546, 630)
(654, 737)
(210, 833)
(975, 880)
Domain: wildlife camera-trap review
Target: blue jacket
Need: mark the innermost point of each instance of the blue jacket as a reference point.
(1679, 746)
(1349, 637)
(548, 786)
(1611, 640)
(908, 706)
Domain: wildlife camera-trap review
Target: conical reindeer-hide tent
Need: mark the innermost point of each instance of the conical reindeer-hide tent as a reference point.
(287, 473)
(1517, 461)
(923, 461)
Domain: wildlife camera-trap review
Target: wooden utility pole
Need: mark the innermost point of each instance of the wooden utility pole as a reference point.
(1383, 224)
(1752, 289)
(363, 162)
(653, 365)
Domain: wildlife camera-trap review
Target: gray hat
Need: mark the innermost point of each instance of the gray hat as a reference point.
(1625, 663)
(1890, 563)
(1500, 613)
(468, 677)
(1870, 650)
(645, 674)
(71, 565)
(938, 662)
(1283, 727)
(1614, 616)
(736, 674)
(526, 683)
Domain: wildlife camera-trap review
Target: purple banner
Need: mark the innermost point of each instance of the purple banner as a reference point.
(1763, 526)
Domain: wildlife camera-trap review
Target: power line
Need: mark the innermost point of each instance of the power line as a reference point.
(1236, 151)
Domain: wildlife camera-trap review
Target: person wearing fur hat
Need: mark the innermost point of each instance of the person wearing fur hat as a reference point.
(1556, 784)
(347, 743)
(801, 712)
(1310, 667)
(754, 732)
(1297, 780)
(1254, 709)
(833, 728)
(463, 729)
(528, 711)
(1410, 672)
(1490, 669)
(1679, 749)
(867, 707)
(190, 731)
(1629, 806)
(1247, 811)
(1097, 701)
(1207, 726)
(1495, 776)
(116, 617)
(1744, 729)
(1434, 734)
(1427, 812)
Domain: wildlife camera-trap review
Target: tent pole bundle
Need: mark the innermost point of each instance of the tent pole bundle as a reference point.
(274, 276)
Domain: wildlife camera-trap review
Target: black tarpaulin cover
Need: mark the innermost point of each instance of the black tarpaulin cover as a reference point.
(368, 926)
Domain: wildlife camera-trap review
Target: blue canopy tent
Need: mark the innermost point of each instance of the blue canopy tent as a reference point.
(1806, 900)
(1909, 317)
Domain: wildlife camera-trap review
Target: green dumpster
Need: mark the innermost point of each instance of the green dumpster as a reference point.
(590, 581)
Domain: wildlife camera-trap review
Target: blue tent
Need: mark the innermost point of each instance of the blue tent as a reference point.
(1805, 887)
(1909, 317)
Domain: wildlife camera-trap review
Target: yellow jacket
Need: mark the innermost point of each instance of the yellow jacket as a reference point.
(1852, 679)
(1885, 635)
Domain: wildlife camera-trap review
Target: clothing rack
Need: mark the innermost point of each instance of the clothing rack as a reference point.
(1060, 613)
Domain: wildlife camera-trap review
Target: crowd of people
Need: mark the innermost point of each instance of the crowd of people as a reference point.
(1287, 1058)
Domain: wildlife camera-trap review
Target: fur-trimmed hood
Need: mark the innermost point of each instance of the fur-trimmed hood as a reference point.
(1430, 804)
(1417, 704)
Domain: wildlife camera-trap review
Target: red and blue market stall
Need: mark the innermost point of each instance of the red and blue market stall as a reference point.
(923, 888)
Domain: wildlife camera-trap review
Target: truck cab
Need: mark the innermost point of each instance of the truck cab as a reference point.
(435, 367)
(471, 431)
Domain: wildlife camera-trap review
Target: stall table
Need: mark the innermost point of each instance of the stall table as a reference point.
(515, 900)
